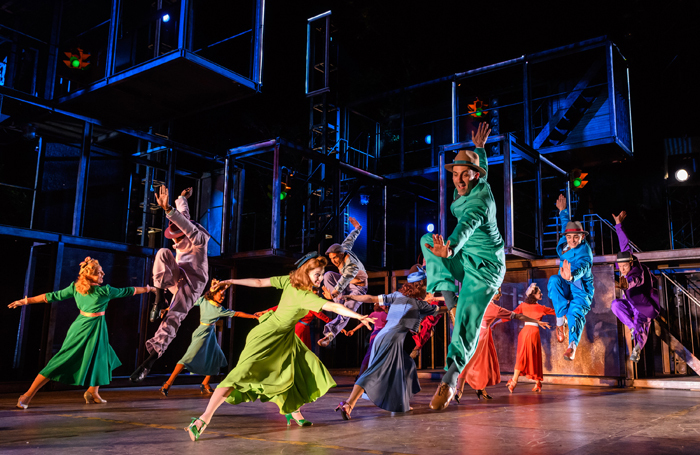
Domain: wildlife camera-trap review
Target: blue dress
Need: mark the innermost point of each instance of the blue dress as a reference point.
(391, 380)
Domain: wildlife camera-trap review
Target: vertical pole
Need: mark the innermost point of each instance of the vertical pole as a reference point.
(226, 209)
(258, 43)
(276, 190)
(82, 183)
(156, 38)
(668, 217)
(41, 152)
(508, 193)
(527, 123)
(326, 54)
(147, 185)
(611, 91)
(182, 40)
(53, 50)
(239, 188)
(629, 106)
(384, 219)
(308, 63)
(170, 178)
(540, 215)
(402, 151)
(112, 39)
(455, 113)
(442, 217)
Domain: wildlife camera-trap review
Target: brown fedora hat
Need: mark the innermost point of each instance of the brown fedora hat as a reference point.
(575, 227)
(467, 158)
(173, 232)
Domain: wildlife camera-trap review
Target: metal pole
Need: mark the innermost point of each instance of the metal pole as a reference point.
(156, 38)
(148, 182)
(82, 183)
(540, 215)
(629, 105)
(37, 176)
(276, 190)
(326, 55)
(442, 220)
(182, 29)
(226, 209)
(384, 251)
(402, 151)
(112, 39)
(53, 51)
(455, 113)
(508, 193)
(527, 124)
(258, 42)
(611, 91)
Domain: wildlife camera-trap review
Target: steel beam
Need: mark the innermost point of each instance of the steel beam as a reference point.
(81, 186)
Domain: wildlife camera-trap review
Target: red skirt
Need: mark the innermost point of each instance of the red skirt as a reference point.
(529, 359)
(483, 370)
(304, 333)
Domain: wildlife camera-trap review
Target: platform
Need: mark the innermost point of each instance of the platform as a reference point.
(560, 420)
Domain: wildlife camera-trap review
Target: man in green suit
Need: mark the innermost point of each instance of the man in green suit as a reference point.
(473, 255)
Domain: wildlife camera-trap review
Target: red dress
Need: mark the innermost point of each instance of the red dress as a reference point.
(483, 369)
(302, 327)
(529, 358)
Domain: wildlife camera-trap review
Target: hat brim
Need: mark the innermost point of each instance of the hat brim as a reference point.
(479, 169)
(170, 233)
(622, 261)
(585, 233)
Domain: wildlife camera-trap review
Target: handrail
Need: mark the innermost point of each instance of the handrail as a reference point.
(681, 287)
(612, 227)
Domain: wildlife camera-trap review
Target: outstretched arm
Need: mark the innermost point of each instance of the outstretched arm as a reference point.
(240, 314)
(28, 301)
(363, 298)
(522, 317)
(250, 282)
(344, 311)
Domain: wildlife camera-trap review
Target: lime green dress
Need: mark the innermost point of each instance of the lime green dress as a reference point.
(204, 356)
(85, 358)
(275, 364)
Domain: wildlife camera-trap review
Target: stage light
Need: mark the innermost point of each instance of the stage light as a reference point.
(364, 199)
(681, 175)
(77, 61)
(477, 108)
(166, 17)
(431, 227)
(578, 179)
(428, 139)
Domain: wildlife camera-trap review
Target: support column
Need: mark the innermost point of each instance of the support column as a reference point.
(82, 183)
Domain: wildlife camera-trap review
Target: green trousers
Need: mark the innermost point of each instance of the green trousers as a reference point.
(480, 281)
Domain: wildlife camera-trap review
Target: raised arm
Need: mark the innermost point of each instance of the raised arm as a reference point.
(349, 241)
(363, 298)
(621, 234)
(563, 212)
(250, 282)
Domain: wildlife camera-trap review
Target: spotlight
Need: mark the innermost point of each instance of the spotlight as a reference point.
(428, 139)
(166, 17)
(430, 227)
(364, 199)
(682, 175)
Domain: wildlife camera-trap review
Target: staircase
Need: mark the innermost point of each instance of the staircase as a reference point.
(552, 228)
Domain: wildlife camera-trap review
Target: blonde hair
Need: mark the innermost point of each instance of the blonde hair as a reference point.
(87, 275)
(299, 278)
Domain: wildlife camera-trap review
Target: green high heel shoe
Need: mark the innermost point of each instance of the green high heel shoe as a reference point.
(192, 429)
(301, 423)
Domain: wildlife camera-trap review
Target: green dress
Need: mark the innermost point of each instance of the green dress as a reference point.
(86, 358)
(204, 356)
(275, 364)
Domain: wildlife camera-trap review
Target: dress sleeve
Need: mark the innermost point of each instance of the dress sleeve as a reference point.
(279, 282)
(387, 299)
(63, 294)
(226, 313)
(504, 314)
(312, 302)
(118, 293)
(546, 310)
(426, 309)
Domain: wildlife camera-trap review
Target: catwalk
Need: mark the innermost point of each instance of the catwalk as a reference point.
(565, 420)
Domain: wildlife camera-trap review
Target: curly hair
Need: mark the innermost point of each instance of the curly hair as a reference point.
(414, 290)
(214, 288)
(299, 278)
(87, 275)
(530, 298)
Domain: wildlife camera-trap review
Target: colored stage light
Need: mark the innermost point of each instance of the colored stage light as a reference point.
(428, 139)
(166, 17)
(431, 227)
(578, 179)
(682, 175)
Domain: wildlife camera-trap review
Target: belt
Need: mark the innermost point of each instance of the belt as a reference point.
(91, 315)
(302, 322)
(532, 323)
(204, 323)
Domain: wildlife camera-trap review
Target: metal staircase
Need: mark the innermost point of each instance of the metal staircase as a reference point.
(552, 227)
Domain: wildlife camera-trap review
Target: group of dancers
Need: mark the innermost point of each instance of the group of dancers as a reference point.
(465, 271)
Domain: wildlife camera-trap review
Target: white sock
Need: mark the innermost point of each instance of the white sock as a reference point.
(560, 321)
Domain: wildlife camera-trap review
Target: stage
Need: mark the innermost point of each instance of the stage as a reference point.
(561, 420)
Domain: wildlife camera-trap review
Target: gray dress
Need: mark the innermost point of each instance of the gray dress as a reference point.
(391, 378)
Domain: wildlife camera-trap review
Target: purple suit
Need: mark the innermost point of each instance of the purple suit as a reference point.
(640, 304)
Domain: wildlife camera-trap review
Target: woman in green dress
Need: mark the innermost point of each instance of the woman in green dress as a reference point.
(204, 356)
(85, 358)
(275, 364)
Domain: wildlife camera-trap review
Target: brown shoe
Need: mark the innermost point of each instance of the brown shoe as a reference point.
(325, 341)
(414, 353)
(560, 333)
(443, 396)
(570, 353)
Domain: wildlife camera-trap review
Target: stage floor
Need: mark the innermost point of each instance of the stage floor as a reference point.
(561, 420)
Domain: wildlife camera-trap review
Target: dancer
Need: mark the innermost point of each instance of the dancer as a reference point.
(352, 280)
(391, 378)
(529, 358)
(275, 365)
(379, 316)
(571, 291)
(204, 356)
(483, 369)
(85, 358)
(473, 255)
(640, 304)
(302, 327)
(184, 275)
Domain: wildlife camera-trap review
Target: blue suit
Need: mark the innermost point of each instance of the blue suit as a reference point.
(573, 298)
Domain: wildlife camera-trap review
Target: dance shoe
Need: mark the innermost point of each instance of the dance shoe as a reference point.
(300, 422)
(570, 352)
(460, 388)
(345, 409)
(511, 385)
(90, 398)
(482, 394)
(192, 429)
(634, 355)
(443, 395)
(560, 333)
(538, 387)
(205, 388)
(140, 374)
(414, 353)
(164, 389)
(21, 404)
(325, 341)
